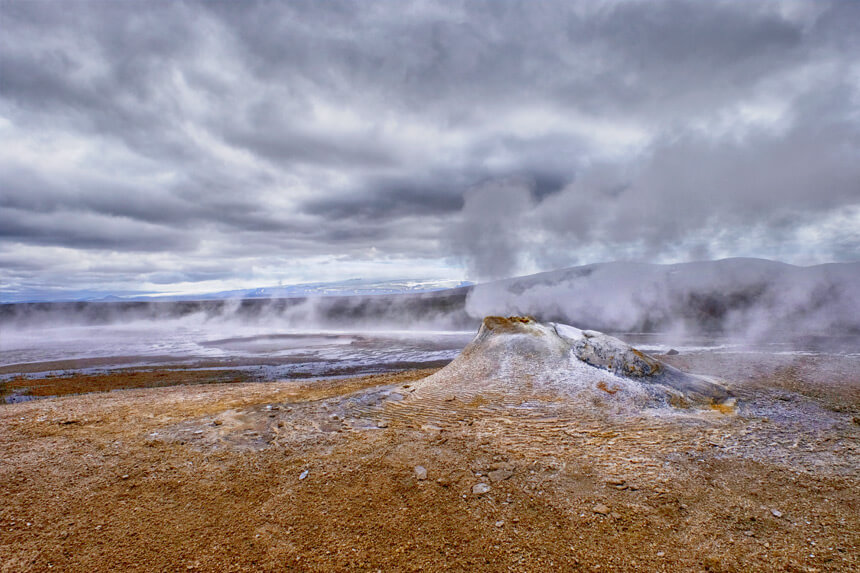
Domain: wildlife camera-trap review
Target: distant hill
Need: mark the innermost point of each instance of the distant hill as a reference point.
(755, 298)
(350, 287)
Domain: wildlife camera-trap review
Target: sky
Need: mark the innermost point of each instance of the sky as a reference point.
(200, 146)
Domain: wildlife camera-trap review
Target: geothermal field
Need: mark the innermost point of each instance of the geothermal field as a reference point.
(718, 431)
(429, 285)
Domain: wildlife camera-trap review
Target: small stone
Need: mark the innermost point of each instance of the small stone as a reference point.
(124, 476)
(500, 523)
(776, 513)
(500, 475)
(420, 473)
(304, 474)
(601, 509)
(480, 488)
(661, 553)
(615, 515)
(616, 481)
(672, 352)
(382, 424)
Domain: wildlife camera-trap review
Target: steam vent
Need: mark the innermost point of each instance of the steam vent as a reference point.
(514, 357)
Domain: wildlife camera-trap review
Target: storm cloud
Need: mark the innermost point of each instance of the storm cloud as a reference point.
(206, 145)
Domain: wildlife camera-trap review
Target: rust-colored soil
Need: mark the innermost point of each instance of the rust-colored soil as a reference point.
(63, 385)
(209, 478)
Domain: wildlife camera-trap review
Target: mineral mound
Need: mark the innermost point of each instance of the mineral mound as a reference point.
(517, 356)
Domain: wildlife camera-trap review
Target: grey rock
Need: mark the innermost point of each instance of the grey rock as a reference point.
(480, 488)
(600, 509)
(420, 473)
(500, 475)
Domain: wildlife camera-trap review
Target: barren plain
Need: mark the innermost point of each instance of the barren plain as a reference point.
(349, 474)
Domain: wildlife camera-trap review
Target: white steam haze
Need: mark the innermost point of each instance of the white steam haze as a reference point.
(746, 299)
(735, 303)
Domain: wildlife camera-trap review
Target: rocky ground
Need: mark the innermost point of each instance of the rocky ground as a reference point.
(355, 474)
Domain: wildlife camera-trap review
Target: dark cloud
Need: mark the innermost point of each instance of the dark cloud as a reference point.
(89, 231)
(251, 141)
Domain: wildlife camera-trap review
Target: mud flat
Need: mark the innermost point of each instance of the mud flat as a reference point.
(324, 475)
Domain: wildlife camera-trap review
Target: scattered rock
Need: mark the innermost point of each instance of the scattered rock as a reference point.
(420, 473)
(500, 475)
(600, 509)
(480, 488)
(304, 474)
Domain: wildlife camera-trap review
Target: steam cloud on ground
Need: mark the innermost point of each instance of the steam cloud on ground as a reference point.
(751, 299)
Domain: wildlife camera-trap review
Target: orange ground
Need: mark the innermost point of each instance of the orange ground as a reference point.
(207, 478)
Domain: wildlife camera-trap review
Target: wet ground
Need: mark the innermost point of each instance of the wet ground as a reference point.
(246, 355)
(61, 360)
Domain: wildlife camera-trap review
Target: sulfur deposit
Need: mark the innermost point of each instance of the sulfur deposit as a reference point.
(511, 358)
